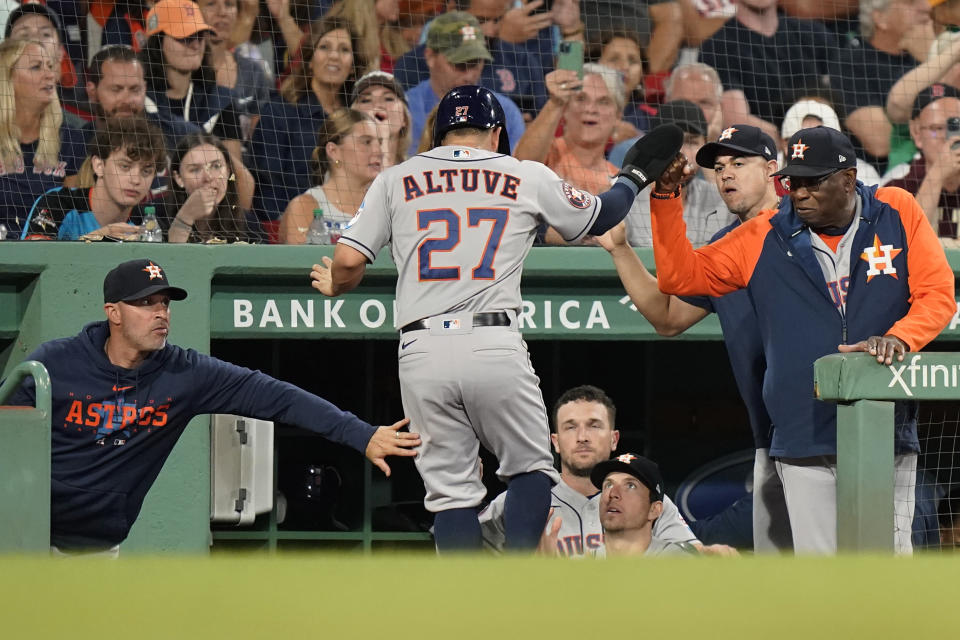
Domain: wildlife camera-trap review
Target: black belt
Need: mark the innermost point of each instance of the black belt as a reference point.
(485, 319)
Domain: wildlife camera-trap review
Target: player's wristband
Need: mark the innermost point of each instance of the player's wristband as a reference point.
(665, 196)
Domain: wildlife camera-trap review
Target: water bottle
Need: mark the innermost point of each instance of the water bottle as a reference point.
(318, 232)
(151, 227)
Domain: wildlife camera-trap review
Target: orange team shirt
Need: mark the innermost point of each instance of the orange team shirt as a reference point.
(727, 264)
(565, 164)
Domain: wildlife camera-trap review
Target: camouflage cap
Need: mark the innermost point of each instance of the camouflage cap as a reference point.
(457, 36)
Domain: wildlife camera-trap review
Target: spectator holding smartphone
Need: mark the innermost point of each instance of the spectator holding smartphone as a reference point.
(934, 175)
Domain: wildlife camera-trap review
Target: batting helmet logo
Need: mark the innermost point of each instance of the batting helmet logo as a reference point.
(470, 106)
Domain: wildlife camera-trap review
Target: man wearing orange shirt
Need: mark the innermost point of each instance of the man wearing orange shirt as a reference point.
(839, 266)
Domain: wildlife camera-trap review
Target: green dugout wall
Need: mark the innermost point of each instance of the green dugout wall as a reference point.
(262, 295)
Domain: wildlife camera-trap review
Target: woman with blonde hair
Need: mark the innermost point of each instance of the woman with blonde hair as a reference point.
(346, 160)
(36, 151)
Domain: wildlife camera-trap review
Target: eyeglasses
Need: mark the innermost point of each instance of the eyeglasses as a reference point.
(811, 184)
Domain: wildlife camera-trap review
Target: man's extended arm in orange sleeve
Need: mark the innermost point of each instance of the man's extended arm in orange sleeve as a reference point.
(716, 269)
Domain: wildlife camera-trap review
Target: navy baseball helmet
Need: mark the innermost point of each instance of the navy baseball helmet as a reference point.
(470, 106)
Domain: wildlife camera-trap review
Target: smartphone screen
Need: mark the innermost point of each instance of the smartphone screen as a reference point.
(571, 57)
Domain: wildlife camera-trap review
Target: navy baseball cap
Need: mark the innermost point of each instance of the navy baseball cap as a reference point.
(643, 469)
(930, 95)
(38, 9)
(683, 113)
(816, 152)
(137, 279)
(738, 140)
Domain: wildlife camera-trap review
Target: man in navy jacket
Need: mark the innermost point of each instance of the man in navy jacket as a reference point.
(122, 396)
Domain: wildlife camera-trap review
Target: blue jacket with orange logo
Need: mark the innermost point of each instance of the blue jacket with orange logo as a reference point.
(113, 428)
(900, 283)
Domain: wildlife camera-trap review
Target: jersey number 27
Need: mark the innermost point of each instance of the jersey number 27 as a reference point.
(451, 219)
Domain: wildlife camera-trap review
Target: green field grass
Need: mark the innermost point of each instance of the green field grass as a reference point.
(420, 596)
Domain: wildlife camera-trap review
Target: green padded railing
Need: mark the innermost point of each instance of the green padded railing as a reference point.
(865, 391)
(25, 464)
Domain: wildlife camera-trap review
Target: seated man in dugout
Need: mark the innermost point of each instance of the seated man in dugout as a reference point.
(125, 156)
(631, 500)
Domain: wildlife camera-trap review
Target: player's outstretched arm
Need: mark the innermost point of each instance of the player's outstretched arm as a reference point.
(340, 275)
(390, 441)
(668, 314)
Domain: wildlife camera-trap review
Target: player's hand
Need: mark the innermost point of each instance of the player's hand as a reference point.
(720, 550)
(390, 441)
(676, 173)
(548, 541)
(615, 239)
(322, 277)
(522, 23)
(562, 84)
(884, 348)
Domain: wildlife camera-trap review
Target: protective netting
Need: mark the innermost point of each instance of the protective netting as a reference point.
(937, 520)
(268, 79)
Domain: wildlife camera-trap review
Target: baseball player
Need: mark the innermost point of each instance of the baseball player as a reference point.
(838, 267)
(631, 501)
(741, 162)
(460, 220)
(584, 436)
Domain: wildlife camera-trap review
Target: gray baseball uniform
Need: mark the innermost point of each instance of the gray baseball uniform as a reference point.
(460, 222)
(580, 530)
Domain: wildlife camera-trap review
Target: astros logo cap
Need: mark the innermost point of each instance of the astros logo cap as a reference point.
(137, 279)
(643, 469)
(739, 140)
(816, 152)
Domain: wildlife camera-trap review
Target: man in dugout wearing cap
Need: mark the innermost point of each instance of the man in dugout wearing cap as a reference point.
(123, 395)
(837, 267)
(631, 500)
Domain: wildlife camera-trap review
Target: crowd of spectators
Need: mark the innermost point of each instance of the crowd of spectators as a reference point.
(263, 85)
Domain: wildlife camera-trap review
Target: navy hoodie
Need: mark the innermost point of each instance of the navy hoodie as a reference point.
(113, 428)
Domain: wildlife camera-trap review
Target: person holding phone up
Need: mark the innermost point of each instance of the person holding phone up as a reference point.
(934, 175)
(589, 109)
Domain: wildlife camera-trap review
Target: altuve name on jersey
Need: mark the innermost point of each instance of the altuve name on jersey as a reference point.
(460, 180)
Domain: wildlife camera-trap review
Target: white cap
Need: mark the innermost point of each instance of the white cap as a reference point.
(793, 118)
